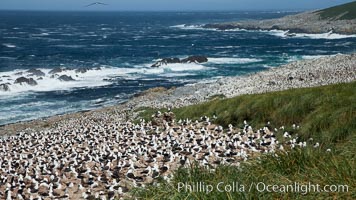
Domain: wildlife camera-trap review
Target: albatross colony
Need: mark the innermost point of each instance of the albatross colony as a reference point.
(104, 156)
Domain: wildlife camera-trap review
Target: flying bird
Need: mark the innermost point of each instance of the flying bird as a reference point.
(97, 3)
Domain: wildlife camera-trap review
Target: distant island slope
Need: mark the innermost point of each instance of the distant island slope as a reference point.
(339, 19)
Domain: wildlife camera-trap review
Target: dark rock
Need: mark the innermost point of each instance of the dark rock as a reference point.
(220, 26)
(40, 78)
(29, 81)
(5, 87)
(290, 34)
(172, 60)
(36, 72)
(65, 78)
(195, 59)
(82, 70)
(296, 30)
(190, 59)
(57, 70)
(98, 68)
(109, 79)
(166, 61)
(19, 73)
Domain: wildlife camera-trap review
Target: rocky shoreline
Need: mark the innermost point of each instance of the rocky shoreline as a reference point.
(299, 74)
(307, 22)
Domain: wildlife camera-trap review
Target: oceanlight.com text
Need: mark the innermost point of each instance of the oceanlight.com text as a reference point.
(295, 187)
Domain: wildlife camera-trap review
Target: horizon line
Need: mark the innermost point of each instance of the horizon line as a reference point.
(185, 10)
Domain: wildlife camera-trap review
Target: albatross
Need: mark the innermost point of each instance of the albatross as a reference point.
(97, 3)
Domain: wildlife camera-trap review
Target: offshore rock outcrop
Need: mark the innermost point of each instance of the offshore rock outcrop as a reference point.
(36, 72)
(4, 87)
(29, 81)
(65, 78)
(190, 59)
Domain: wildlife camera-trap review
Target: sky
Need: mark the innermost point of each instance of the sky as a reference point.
(168, 5)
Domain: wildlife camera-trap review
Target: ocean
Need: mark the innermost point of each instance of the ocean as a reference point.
(115, 50)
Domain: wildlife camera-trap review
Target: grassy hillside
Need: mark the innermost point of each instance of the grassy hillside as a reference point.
(327, 114)
(344, 11)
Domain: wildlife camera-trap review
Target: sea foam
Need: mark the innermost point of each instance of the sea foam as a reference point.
(91, 78)
(280, 33)
(233, 60)
(9, 45)
(330, 35)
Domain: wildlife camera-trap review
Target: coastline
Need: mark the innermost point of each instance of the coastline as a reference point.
(306, 22)
(299, 74)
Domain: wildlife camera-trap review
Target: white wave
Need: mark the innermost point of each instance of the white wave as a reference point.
(201, 27)
(343, 44)
(191, 27)
(292, 58)
(173, 67)
(74, 46)
(100, 45)
(174, 37)
(40, 34)
(234, 30)
(315, 56)
(9, 45)
(91, 78)
(99, 101)
(226, 47)
(277, 33)
(178, 67)
(233, 60)
(178, 26)
(307, 57)
(10, 37)
(330, 35)
(171, 75)
(7, 57)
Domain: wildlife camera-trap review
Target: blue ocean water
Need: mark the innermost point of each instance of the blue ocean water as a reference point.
(118, 48)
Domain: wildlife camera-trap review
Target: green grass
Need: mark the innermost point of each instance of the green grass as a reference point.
(325, 113)
(341, 12)
(300, 166)
(328, 114)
